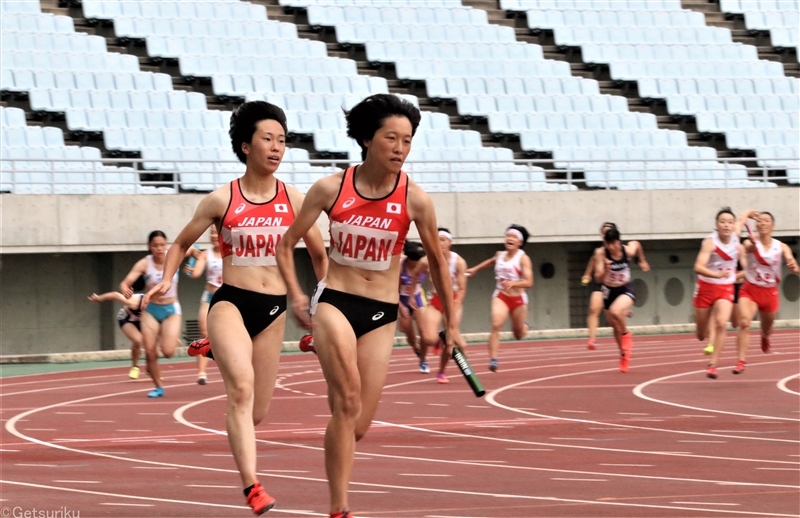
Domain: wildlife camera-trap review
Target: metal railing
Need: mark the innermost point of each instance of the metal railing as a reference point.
(136, 175)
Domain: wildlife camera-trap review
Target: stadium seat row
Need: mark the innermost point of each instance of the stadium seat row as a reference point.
(55, 100)
(551, 19)
(684, 104)
(708, 155)
(528, 104)
(41, 22)
(607, 53)
(328, 15)
(70, 61)
(25, 80)
(208, 65)
(438, 87)
(176, 46)
(766, 20)
(362, 33)
(711, 122)
(140, 28)
(61, 42)
(224, 10)
(632, 70)
(786, 38)
(378, 51)
(577, 36)
(418, 69)
(606, 139)
(590, 5)
(333, 103)
(742, 6)
(33, 136)
(755, 138)
(624, 122)
(135, 139)
(239, 85)
(653, 88)
(95, 120)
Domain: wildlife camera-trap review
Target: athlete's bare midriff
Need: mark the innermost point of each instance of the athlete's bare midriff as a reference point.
(260, 279)
(374, 284)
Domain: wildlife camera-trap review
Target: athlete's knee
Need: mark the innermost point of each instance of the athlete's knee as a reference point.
(347, 403)
(520, 332)
(169, 353)
(241, 392)
(744, 323)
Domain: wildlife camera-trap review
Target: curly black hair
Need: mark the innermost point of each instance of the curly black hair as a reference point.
(244, 120)
(368, 116)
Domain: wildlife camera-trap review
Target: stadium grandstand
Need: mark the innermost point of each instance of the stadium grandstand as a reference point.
(632, 110)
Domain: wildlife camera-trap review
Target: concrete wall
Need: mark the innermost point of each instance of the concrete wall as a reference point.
(43, 306)
(111, 223)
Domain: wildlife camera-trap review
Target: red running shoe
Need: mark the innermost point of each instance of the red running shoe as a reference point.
(201, 347)
(342, 514)
(259, 501)
(627, 341)
(307, 344)
(739, 367)
(711, 371)
(591, 345)
(624, 361)
(765, 345)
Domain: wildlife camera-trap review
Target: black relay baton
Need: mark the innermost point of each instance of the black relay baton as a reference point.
(463, 366)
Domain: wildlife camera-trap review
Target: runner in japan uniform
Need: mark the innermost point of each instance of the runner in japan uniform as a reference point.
(759, 294)
(708, 290)
(250, 232)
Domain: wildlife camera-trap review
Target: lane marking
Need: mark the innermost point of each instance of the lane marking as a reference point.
(582, 479)
(703, 503)
(120, 504)
(782, 384)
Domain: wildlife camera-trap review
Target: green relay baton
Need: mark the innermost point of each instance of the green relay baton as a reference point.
(463, 366)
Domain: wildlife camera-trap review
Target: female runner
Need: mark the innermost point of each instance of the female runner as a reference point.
(412, 298)
(613, 270)
(210, 262)
(128, 318)
(514, 272)
(354, 309)
(716, 273)
(596, 297)
(161, 318)
(760, 291)
(246, 316)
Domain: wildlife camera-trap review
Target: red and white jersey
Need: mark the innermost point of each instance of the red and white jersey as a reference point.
(723, 259)
(213, 268)
(251, 231)
(453, 266)
(367, 233)
(510, 270)
(764, 265)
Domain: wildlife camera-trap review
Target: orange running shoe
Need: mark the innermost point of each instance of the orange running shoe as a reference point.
(259, 500)
(624, 361)
(711, 371)
(591, 345)
(739, 367)
(201, 347)
(342, 514)
(765, 345)
(307, 344)
(627, 341)
(441, 378)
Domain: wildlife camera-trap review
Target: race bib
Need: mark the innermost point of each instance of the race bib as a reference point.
(362, 247)
(255, 246)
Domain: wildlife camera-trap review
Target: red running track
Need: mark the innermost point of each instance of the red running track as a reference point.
(561, 432)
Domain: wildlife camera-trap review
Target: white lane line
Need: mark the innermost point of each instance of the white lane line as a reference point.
(631, 465)
(40, 429)
(422, 475)
(403, 403)
(639, 392)
(438, 404)
(572, 439)
(780, 469)
(529, 449)
(486, 461)
(217, 455)
(581, 479)
(782, 384)
(120, 504)
(78, 481)
(8, 451)
(38, 465)
(215, 487)
(703, 503)
(367, 491)
(477, 406)
(707, 442)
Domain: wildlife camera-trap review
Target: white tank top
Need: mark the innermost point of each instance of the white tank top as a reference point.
(152, 276)
(723, 258)
(213, 268)
(764, 266)
(510, 270)
(453, 266)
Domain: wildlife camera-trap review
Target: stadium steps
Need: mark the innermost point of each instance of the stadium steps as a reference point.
(739, 33)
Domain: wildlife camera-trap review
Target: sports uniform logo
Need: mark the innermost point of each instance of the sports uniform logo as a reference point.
(240, 208)
(348, 203)
(393, 208)
(274, 310)
(281, 207)
(377, 316)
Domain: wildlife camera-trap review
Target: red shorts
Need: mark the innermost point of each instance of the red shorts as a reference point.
(435, 302)
(766, 298)
(706, 293)
(512, 302)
